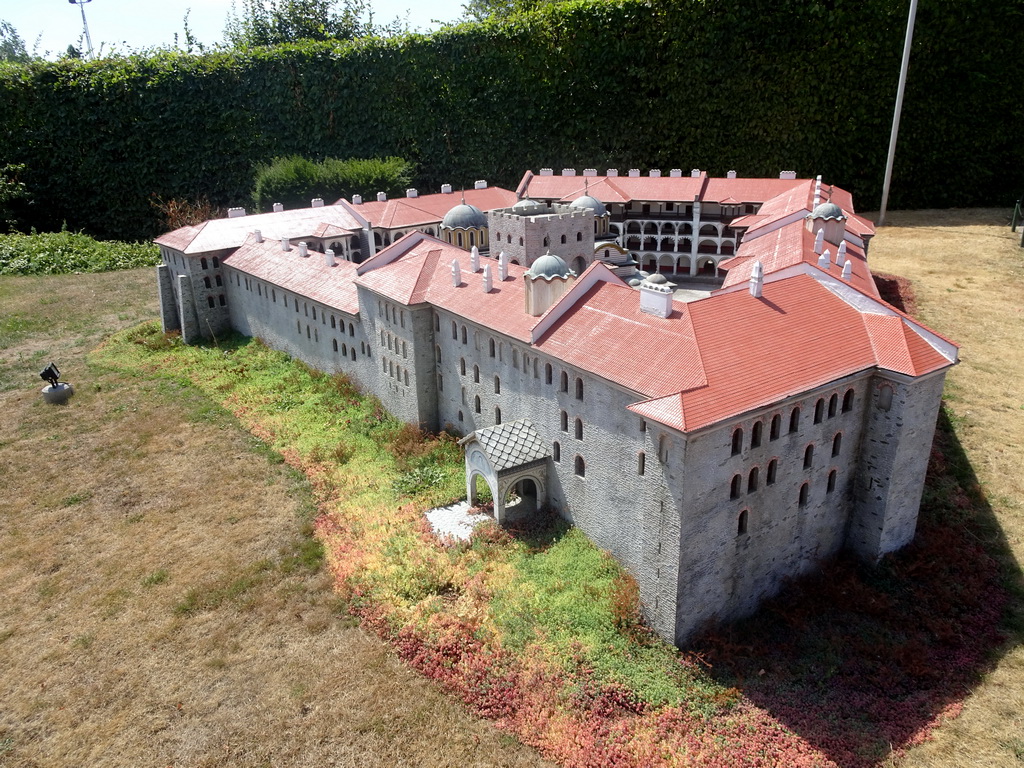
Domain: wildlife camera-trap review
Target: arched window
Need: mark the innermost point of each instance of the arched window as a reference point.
(334, 343)
(463, 332)
(741, 523)
(833, 405)
(579, 236)
(804, 493)
(735, 487)
(776, 428)
(221, 300)
(210, 301)
(663, 449)
(497, 415)
(848, 401)
(351, 330)
(752, 479)
(216, 262)
(641, 463)
(476, 374)
(565, 421)
(207, 283)
(837, 444)
(885, 397)
(460, 415)
(344, 350)
(490, 347)
(579, 429)
(476, 403)
(203, 264)
(831, 482)
(547, 242)
(547, 373)
(563, 239)
(737, 441)
(755, 434)
(556, 452)
(794, 420)
(497, 385)
(579, 388)
(773, 468)
(455, 330)
(580, 469)
(808, 456)
(334, 322)
(819, 410)
(563, 385)
(462, 366)
(221, 283)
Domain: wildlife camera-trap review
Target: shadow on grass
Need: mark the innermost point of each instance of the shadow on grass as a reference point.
(861, 660)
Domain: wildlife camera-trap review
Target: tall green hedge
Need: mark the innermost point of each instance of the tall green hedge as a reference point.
(757, 86)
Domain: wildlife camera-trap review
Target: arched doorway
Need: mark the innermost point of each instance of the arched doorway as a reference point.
(521, 498)
(578, 265)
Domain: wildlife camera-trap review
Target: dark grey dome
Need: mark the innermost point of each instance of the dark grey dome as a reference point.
(827, 210)
(589, 203)
(549, 266)
(465, 216)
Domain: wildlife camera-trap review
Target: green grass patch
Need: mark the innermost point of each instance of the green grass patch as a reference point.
(61, 253)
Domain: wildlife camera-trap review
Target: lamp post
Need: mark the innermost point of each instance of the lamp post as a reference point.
(899, 108)
(85, 24)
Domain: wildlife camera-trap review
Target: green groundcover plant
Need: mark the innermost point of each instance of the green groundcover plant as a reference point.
(540, 631)
(58, 253)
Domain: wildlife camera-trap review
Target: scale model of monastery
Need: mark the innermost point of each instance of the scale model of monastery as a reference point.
(716, 447)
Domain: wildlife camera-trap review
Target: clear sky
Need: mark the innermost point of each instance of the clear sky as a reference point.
(146, 23)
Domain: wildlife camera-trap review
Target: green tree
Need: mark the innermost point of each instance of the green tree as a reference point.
(272, 22)
(479, 10)
(12, 46)
(12, 189)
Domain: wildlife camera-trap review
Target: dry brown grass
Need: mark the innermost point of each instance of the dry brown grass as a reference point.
(968, 272)
(114, 508)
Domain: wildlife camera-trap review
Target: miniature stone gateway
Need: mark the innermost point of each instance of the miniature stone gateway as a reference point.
(716, 447)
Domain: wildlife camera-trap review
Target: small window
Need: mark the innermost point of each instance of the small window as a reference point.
(565, 421)
(334, 322)
(737, 441)
(490, 347)
(819, 410)
(848, 401)
(476, 374)
(735, 487)
(463, 334)
(563, 385)
(211, 302)
(804, 493)
(344, 350)
(563, 239)
(207, 283)
(773, 469)
(223, 302)
(741, 523)
(752, 480)
(579, 388)
(755, 434)
(776, 428)
(455, 330)
(460, 416)
(641, 463)
(497, 385)
(437, 322)
(216, 262)
(794, 420)
(314, 313)
(837, 444)
(579, 429)
(547, 242)
(885, 397)
(579, 237)
(831, 482)
(833, 405)
(497, 415)
(808, 456)
(351, 330)
(476, 404)
(580, 467)
(547, 373)
(462, 366)
(334, 343)
(352, 352)
(556, 452)
(203, 264)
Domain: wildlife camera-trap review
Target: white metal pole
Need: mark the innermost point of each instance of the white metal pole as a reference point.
(899, 108)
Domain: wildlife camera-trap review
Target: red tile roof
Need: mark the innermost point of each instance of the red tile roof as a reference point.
(613, 189)
(747, 190)
(309, 276)
(405, 212)
(225, 234)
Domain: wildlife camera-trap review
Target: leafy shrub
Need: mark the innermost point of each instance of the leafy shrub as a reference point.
(58, 253)
(294, 181)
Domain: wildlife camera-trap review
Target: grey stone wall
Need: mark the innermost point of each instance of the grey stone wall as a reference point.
(899, 426)
(574, 226)
(198, 295)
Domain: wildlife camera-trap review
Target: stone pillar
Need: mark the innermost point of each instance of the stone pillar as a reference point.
(170, 320)
(187, 311)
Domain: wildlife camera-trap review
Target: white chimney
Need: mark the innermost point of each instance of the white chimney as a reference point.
(456, 273)
(824, 261)
(568, 171)
(382, 197)
(654, 173)
(655, 299)
(502, 266)
(411, 193)
(303, 250)
(730, 175)
(695, 173)
(278, 207)
(756, 280)
(675, 173)
(480, 184)
(847, 269)
(487, 278)
(590, 171)
(841, 254)
(234, 213)
(612, 172)
(258, 235)
(634, 173)
(446, 189)
(787, 175)
(474, 259)
(819, 241)
(357, 199)
(285, 245)
(546, 172)
(316, 202)
(329, 258)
